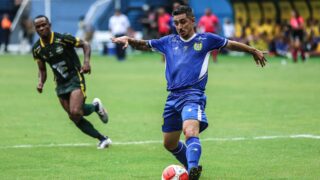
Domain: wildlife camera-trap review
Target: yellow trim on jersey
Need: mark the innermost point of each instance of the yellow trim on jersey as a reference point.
(41, 43)
(52, 36)
(51, 39)
(77, 42)
(81, 85)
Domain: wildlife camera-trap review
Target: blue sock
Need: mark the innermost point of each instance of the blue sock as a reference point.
(193, 152)
(180, 153)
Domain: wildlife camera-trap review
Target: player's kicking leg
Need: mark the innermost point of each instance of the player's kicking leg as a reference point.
(74, 106)
(177, 148)
(100, 110)
(97, 107)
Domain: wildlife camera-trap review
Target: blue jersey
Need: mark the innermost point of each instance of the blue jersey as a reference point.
(187, 60)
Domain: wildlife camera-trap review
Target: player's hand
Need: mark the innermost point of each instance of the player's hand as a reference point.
(40, 88)
(259, 57)
(85, 68)
(121, 40)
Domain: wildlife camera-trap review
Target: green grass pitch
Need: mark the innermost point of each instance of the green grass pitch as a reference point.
(244, 104)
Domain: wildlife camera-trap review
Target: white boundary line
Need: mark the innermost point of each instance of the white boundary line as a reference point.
(295, 136)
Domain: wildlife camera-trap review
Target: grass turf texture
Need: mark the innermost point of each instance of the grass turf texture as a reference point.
(242, 101)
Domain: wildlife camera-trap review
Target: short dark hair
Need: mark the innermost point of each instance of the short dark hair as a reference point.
(41, 16)
(183, 10)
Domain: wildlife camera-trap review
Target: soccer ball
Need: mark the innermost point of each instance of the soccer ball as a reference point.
(174, 172)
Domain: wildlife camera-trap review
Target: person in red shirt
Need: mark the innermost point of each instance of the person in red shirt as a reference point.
(6, 25)
(163, 22)
(209, 23)
(297, 34)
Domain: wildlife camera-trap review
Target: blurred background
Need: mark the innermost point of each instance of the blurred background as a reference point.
(285, 28)
(264, 122)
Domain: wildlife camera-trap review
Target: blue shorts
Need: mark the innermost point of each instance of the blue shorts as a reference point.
(184, 105)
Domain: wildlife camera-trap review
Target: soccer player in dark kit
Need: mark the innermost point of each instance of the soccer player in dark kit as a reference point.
(187, 57)
(58, 51)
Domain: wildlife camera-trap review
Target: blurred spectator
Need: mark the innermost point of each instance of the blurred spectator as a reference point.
(81, 28)
(27, 29)
(17, 4)
(315, 49)
(313, 38)
(88, 31)
(259, 41)
(6, 25)
(149, 23)
(281, 45)
(268, 28)
(297, 33)
(163, 22)
(119, 25)
(175, 5)
(228, 29)
(209, 23)
(239, 29)
(316, 27)
(26, 34)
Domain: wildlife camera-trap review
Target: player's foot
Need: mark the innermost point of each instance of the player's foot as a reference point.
(104, 143)
(103, 115)
(195, 173)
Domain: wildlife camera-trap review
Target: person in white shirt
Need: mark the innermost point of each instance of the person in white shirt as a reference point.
(119, 25)
(228, 29)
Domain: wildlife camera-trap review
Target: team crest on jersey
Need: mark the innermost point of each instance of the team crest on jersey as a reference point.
(197, 46)
(59, 50)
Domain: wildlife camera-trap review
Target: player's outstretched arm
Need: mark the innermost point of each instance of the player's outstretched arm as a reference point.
(136, 44)
(42, 75)
(257, 54)
(86, 68)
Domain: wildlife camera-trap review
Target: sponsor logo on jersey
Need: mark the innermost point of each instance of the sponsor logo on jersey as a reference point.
(197, 46)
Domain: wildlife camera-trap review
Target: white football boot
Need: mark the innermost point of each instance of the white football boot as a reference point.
(104, 143)
(103, 115)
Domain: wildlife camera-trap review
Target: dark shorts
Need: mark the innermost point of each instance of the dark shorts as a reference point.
(184, 105)
(63, 90)
(298, 34)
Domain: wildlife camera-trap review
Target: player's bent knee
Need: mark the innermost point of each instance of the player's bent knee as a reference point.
(169, 146)
(191, 129)
(75, 117)
(75, 112)
(188, 132)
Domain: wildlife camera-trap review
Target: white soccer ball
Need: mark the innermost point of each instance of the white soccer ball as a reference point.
(174, 172)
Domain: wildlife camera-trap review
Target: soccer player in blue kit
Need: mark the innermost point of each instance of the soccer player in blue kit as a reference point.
(187, 57)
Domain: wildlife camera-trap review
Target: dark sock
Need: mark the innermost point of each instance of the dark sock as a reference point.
(295, 55)
(303, 55)
(87, 128)
(193, 152)
(88, 109)
(180, 153)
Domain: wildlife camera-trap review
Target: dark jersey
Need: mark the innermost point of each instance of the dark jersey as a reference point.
(60, 55)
